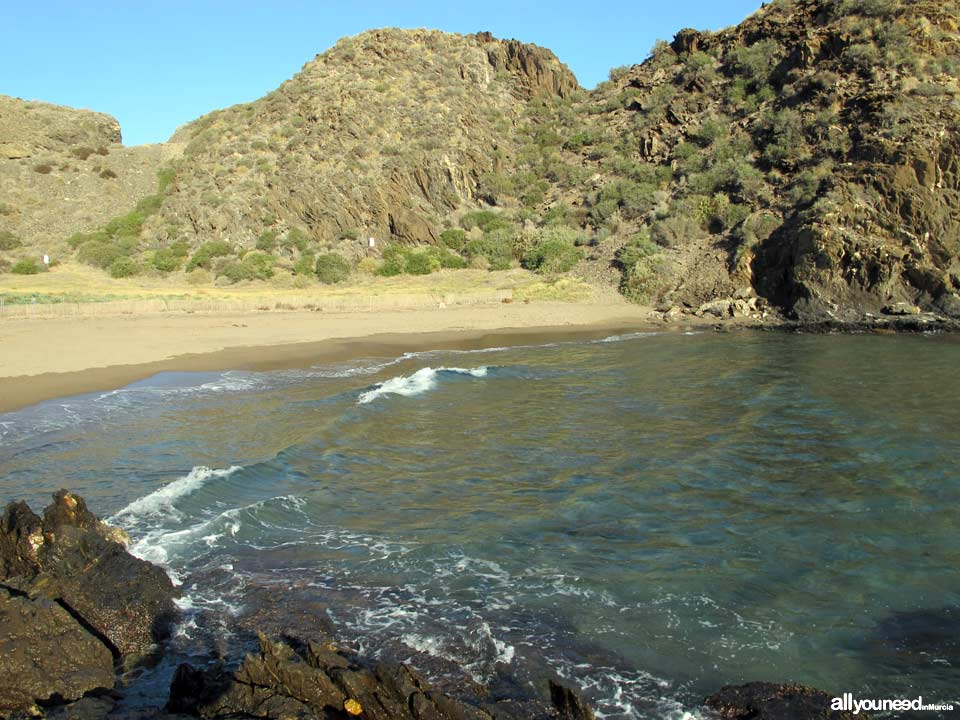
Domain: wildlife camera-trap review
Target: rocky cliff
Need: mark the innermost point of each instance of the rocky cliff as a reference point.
(809, 154)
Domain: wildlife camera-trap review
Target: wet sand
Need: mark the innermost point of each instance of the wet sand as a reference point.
(41, 359)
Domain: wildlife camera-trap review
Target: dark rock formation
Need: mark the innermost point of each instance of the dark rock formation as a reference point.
(306, 679)
(73, 558)
(73, 602)
(772, 701)
(48, 652)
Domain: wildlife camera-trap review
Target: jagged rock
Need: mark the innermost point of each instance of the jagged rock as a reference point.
(686, 41)
(539, 70)
(771, 701)
(21, 536)
(569, 705)
(48, 653)
(73, 558)
(296, 679)
(900, 308)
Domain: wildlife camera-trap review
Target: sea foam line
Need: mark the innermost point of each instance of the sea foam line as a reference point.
(419, 382)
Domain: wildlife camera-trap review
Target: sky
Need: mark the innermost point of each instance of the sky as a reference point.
(157, 65)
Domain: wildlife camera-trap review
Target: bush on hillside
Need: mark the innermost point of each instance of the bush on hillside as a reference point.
(26, 266)
(205, 254)
(9, 241)
(124, 267)
(332, 268)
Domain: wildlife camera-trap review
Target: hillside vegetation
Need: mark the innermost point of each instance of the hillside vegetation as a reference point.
(805, 160)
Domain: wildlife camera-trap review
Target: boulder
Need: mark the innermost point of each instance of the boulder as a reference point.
(77, 561)
(51, 655)
(772, 701)
(716, 308)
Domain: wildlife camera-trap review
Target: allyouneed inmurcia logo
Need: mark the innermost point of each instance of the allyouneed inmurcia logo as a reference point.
(848, 702)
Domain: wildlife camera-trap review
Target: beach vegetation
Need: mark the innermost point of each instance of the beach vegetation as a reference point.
(332, 268)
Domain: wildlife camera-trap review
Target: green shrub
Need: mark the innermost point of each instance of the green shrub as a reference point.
(454, 238)
(421, 263)
(253, 266)
(674, 230)
(101, 254)
(181, 248)
(554, 251)
(207, 252)
(332, 268)
(124, 267)
(642, 265)
(26, 266)
(497, 246)
(9, 241)
(150, 204)
(166, 260)
(485, 220)
(296, 238)
(267, 241)
(128, 225)
(305, 265)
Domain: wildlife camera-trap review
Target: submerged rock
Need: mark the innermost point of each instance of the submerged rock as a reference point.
(772, 701)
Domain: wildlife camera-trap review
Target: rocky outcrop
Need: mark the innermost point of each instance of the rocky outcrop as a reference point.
(49, 653)
(307, 679)
(538, 70)
(73, 602)
(73, 558)
(771, 701)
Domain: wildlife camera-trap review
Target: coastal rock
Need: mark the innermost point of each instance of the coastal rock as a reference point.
(49, 653)
(772, 701)
(77, 561)
(569, 705)
(900, 308)
(306, 679)
(716, 308)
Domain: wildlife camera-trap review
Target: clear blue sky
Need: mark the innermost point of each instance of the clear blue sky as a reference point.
(156, 65)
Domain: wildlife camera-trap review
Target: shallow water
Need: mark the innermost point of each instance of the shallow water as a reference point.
(649, 517)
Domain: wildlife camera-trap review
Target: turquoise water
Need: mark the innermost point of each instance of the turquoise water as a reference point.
(649, 517)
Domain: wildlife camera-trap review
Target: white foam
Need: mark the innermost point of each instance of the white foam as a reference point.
(420, 382)
(161, 501)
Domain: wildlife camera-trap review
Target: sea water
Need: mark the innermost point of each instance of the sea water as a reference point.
(646, 517)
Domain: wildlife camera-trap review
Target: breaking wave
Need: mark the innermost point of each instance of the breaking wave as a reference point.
(419, 382)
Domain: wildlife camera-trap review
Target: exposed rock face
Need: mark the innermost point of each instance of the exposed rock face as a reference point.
(312, 680)
(72, 558)
(770, 701)
(538, 70)
(48, 653)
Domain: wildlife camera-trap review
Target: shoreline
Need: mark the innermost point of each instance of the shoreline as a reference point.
(47, 359)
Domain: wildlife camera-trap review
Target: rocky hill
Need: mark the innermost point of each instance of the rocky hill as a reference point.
(64, 170)
(805, 160)
(810, 156)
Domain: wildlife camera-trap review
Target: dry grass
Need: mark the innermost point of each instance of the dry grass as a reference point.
(79, 290)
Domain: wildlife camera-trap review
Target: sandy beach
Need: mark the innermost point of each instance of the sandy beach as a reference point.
(44, 358)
